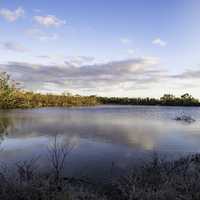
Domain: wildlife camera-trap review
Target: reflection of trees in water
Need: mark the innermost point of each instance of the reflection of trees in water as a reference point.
(5, 124)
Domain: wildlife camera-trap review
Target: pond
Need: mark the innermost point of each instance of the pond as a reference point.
(103, 136)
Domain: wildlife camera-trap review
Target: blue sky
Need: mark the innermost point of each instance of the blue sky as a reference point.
(103, 47)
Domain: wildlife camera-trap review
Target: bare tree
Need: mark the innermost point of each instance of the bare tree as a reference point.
(58, 152)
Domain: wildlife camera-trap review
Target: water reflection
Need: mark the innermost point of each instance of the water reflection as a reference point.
(5, 125)
(102, 134)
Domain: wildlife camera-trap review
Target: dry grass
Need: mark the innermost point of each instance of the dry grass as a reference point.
(161, 180)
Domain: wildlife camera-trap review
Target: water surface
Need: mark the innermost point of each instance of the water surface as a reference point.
(102, 135)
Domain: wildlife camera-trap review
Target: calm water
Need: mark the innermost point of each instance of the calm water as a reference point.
(101, 135)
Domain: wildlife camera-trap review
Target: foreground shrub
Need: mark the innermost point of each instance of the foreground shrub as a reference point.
(161, 180)
(158, 179)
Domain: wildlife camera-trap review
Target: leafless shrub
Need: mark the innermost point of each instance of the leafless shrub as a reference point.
(58, 152)
(26, 170)
(161, 180)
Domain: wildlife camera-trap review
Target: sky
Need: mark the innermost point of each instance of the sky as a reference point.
(134, 48)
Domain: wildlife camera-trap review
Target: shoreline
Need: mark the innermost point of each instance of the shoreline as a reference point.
(156, 178)
(98, 105)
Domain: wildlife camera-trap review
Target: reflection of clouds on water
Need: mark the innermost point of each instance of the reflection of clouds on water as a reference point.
(101, 135)
(94, 127)
(17, 144)
(129, 135)
(139, 127)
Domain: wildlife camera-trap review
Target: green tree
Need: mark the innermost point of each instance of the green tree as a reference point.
(7, 90)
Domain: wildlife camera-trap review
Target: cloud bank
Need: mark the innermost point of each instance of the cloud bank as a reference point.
(94, 78)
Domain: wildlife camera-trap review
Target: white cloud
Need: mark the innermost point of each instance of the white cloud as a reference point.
(63, 60)
(49, 21)
(125, 41)
(79, 61)
(12, 46)
(12, 15)
(131, 73)
(159, 42)
(41, 35)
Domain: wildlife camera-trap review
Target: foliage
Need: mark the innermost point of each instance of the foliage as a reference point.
(7, 91)
(12, 97)
(185, 100)
(166, 100)
(129, 101)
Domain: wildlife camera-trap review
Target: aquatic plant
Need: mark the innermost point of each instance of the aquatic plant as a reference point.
(185, 118)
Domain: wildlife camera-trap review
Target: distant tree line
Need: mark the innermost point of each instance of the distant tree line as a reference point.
(166, 100)
(13, 97)
(128, 101)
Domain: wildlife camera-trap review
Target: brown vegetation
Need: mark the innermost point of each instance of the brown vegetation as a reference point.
(13, 97)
